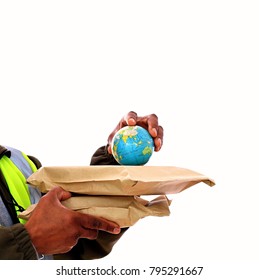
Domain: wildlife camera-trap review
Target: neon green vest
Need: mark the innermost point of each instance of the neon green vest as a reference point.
(16, 170)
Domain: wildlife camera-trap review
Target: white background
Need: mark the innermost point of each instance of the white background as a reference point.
(69, 70)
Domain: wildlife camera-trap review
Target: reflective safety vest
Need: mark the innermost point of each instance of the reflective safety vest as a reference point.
(16, 169)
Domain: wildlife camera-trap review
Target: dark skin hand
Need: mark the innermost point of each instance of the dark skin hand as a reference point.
(55, 229)
(149, 122)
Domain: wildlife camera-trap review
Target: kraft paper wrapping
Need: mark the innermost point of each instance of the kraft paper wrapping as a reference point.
(118, 180)
(125, 211)
(114, 192)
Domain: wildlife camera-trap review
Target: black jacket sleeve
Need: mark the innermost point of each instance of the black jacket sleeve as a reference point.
(102, 157)
(15, 244)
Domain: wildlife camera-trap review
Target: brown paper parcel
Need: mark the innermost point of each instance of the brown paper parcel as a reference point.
(117, 180)
(112, 192)
(125, 211)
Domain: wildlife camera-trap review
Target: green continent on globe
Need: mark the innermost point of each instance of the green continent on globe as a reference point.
(132, 145)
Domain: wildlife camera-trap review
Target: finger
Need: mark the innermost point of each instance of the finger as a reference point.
(158, 141)
(109, 149)
(98, 223)
(131, 118)
(152, 123)
(59, 193)
(160, 132)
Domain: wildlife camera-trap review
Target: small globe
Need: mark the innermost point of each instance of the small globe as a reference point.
(132, 145)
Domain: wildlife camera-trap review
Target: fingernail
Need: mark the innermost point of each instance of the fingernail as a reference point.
(154, 132)
(116, 230)
(131, 121)
(158, 144)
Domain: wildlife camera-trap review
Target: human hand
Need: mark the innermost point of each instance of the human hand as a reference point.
(55, 229)
(149, 122)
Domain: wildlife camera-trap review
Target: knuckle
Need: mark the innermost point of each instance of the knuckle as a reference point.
(72, 220)
(160, 129)
(132, 113)
(45, 199)
(153, 116)
(97, 224)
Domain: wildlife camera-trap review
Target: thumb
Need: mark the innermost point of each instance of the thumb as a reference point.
(59, 193)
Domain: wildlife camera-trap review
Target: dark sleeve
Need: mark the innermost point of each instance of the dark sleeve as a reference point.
(35, 161)
(87, 249)
(95, 249)
(102, 157)
(15, 244)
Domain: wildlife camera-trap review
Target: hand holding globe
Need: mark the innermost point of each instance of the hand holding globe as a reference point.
(132, 145)
(151, 139)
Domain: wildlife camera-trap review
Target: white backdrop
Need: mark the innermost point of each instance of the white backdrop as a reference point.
(69, 70)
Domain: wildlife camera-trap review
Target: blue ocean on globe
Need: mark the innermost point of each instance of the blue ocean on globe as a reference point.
(132, 145)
